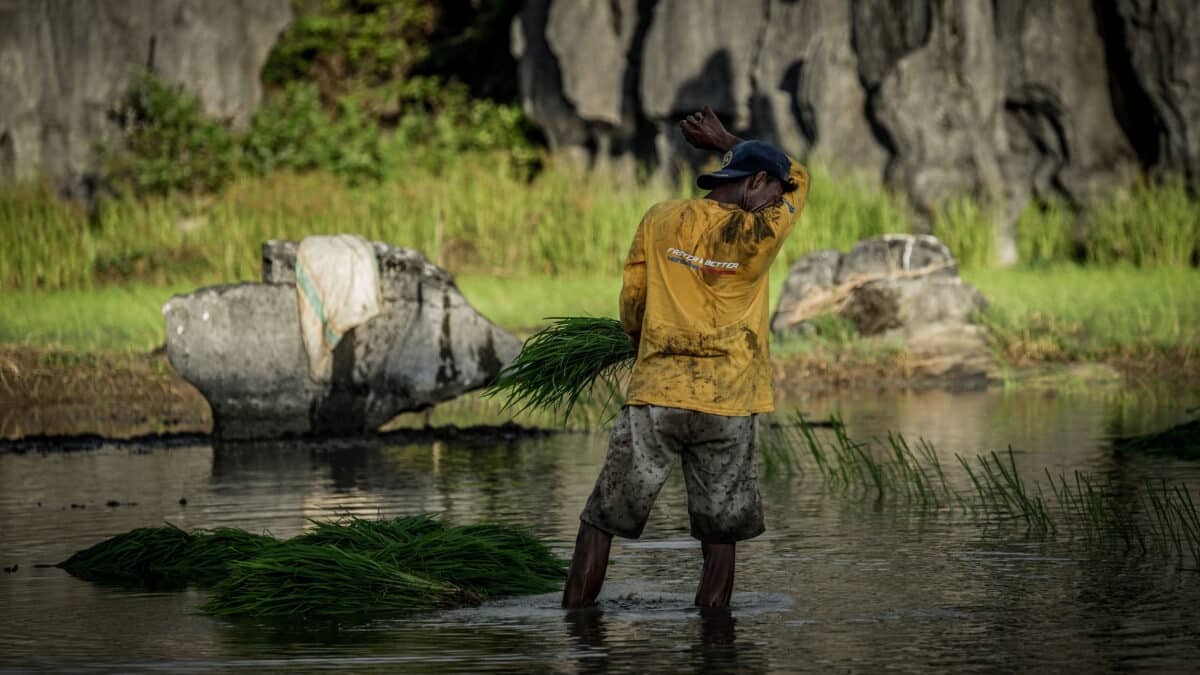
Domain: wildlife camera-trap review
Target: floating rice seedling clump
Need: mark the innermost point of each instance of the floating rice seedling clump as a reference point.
(1161, 518)
(347, 567)
(303, 580)
(165, 557)
(563, 363)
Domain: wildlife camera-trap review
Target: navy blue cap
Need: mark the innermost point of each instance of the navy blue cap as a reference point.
(746, 159)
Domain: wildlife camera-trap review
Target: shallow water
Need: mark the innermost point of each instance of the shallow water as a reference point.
(837, 582)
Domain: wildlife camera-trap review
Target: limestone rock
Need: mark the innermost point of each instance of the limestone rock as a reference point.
(935, 98)
(896, 285)
(64, 63)
(911, 306)
(240, 345)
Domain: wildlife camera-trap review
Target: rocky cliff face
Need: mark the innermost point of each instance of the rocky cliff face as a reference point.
(935, 97)
(63, 63)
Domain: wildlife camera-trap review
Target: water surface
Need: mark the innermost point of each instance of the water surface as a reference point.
(836, 583)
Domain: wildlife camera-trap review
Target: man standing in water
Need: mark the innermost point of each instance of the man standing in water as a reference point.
(695, 301)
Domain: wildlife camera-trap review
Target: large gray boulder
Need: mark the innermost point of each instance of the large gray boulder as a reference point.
(898, 285)
(240, 345)
(1008, 101)
(64, 63)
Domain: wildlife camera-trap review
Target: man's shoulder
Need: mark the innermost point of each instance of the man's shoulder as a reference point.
(670, 207)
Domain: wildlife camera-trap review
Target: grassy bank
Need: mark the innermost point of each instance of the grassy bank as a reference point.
(1059, 313)
(525, 247)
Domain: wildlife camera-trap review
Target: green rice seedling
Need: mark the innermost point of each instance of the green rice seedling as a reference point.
(352, 566)
(138, 557)
(207, 557)
(165, 557)
(563, 362)
(488, 560)
(301, 580)
(364, 535)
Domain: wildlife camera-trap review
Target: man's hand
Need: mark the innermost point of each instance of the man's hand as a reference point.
(704, 131)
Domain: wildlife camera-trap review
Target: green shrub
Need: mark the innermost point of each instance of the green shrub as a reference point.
(293, 132)
(167, 143)
(349, 43)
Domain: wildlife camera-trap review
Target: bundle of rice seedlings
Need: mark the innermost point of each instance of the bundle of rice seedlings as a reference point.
(310, 580)
(206, 559)
(143, 557)
(165, 557)
(370, 535)
(563, 362)
(351, 566)
(490, 560)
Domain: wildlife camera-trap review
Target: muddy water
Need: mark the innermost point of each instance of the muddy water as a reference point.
(835, 584)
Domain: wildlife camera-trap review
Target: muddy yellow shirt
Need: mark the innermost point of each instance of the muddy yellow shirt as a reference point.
(695, 290)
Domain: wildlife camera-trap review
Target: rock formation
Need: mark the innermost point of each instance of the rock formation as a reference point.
(240, 345)
(63, 64)
(1007, 100)
(900, 287)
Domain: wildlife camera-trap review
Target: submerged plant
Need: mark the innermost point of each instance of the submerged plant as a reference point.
(564, 362)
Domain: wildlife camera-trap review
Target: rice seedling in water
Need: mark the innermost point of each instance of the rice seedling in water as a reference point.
(135, 557)
(1160, 519)
(360, 534)
(306, 580)
(348, 567)
(564, 362)
(165, 557)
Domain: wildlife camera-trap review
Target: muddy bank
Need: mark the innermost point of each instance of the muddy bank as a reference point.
(50, 394)
(115, 395)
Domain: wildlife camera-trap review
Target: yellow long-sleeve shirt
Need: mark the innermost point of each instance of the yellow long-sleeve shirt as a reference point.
(695, 290)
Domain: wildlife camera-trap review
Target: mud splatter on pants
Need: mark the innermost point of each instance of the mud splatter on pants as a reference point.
(720, 468)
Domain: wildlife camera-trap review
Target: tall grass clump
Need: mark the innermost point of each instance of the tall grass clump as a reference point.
(564, 362)
(339, 568)
(1150, 224)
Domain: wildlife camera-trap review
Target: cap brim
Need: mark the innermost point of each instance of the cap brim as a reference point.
(710, 180)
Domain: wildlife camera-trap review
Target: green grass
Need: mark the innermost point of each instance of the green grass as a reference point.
(524, 249)
(1068, 312)
(113, 318)
(1053, 313)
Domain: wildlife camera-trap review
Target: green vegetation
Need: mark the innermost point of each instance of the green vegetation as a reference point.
(1071, 312)
(563, 362)
(1161, 519)
(165, 557)
(350, 567)
(377, 122)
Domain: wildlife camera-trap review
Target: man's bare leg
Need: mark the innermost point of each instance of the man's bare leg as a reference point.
(716, 581)
(589, 563)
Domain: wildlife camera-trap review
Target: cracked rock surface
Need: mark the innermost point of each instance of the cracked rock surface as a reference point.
(1007, 100)
(240, 345)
